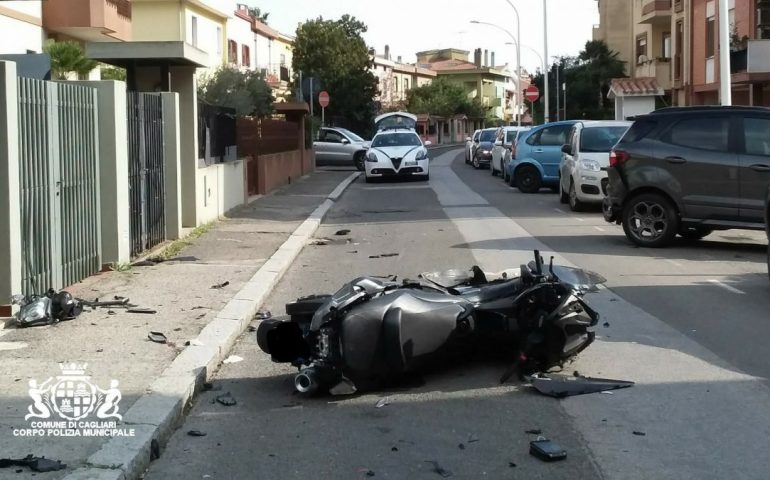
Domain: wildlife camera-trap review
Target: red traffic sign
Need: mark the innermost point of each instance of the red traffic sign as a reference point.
(323, 99)
(532, 93)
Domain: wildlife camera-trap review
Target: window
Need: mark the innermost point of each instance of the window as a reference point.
(194, 31)
(679, 46)
(600, 139)
(551, 136)
(641, 48)
(666, 44)
(232, 52)
(710, 37)
(757, 131)
(406, 84)
(219, 41)
(396, 140)
(701, 133)
(331, 136)
(245, 56)
(763, 19)
(283, 59)
(395, 84)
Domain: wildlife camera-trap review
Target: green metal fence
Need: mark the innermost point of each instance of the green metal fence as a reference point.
(59, 174)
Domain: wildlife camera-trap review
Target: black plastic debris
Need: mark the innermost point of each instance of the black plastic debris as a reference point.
(53, 307)
(226, 399)
(263, 315)
(157, 337)
(560, 386)
(219, 286)
(147, 311)
(385, 255)
(196, 433)
(36, 464)
(439, 469)
(210, 387)
(547, 450)
(461, 446)
(252, 328)
(154, 449)
(534, 431)
(393, 449)
(344, 231)
(640, 434)
(511, 465)
(606, 324)
(374, 256)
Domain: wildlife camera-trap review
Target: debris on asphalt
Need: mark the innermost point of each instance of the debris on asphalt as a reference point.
(154, 449)
(511, 465)
(393, 449)
(196, 433)
(353, 251)
(606, 324)
(546, 450)
(36, 464)
(560, 386)
(461, 446)
(157, 337)
(220, 285)
(367, 472)
(374, 256)
(148, 311)
(53, 307)
(263, 315)
(534, 431)
(640, 434)
(439, 469)
(210, 387)
(383, 402)
(472, 438)
(608, 392)
(233, 359)
(344, 231)
(252, 328)
(320, 241)
(385, 255)
(226, 399)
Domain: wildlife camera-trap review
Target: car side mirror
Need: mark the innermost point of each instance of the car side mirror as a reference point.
(566, 149)
(345, 141)
(428, 143)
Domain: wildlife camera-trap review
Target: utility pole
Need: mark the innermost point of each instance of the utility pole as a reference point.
(725, 84)
(558, 93)
(566, 117)
(546, 116)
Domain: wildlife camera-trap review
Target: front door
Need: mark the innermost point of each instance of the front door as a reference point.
(547, 149)
(754, 168)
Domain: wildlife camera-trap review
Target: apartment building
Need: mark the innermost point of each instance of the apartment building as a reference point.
(22, 25)
(676, 43)
(396, 78)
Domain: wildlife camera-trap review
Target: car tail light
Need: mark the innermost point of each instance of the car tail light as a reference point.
(618, 156)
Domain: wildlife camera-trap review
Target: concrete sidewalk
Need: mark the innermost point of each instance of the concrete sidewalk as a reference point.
(245, 255)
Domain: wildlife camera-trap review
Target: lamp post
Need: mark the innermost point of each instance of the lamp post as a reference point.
(518, 57)
(546, 116)
(725, 87)
(518, 62)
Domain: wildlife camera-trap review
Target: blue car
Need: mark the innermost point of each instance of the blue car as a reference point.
(535, 160)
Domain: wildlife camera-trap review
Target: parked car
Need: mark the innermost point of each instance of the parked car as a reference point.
(585, 159)
(482, 155)
(767, 228)
(470, 145)
(397, 152)
(505, 138)
(690, 171)
(340, 147)
(537, 157)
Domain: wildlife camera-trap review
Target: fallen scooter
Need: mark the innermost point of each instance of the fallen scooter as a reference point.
(372, 331)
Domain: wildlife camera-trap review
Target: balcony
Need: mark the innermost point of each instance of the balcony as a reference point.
(659, 69)
(89, 20)
(656, 12)
(752, 64)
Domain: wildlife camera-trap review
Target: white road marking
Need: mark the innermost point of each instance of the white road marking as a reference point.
(674, 262)
(727, 287)
(579, 219)
(559, 210)
(399, 187)
(600, 229)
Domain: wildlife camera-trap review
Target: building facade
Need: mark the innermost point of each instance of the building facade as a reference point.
(616, 20)
(396, 79)
(22, 25)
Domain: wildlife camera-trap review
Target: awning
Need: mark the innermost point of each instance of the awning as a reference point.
(126, 54)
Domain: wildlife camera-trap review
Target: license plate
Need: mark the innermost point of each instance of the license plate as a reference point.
(410, 163)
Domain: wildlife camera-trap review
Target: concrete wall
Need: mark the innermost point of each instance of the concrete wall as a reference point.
(629, 106)
(113, 170)
(10, 216)
(615, 25)
(172, 172)
(20, 27)
(220, 188)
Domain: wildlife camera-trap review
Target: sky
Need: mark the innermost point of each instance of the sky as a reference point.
(410, 26)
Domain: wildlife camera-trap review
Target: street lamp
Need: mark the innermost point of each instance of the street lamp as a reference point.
(518, 57)
(546, 117)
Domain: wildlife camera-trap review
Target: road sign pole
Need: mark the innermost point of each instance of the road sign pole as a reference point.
(323, 117)
(312, 98)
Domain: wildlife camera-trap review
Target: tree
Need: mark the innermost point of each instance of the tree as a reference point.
(445, 99)
(587, 77)
(257, 14)
(247, 92)
(67, 58)
(113, 73)
(335, 53)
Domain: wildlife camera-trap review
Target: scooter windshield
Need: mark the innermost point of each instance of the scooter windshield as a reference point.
(579, 279)
(449, 278)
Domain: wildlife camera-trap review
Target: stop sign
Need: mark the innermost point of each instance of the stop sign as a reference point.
(532, 93)
(323, 99)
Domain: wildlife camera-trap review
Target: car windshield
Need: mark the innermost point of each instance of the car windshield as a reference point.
(487, 136)
(396, 140)
(600, 139)
(511, 136)
(351, 135)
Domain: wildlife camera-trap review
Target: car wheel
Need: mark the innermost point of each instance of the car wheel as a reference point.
(574, 203)
(476, 164)
(528, 179)
(358, 161)
(650, 220)
(563, 196)
(694, 233)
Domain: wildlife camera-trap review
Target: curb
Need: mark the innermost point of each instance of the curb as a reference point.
(155, 416)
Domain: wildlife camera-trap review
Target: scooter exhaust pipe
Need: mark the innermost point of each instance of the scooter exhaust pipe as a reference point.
(306, 381)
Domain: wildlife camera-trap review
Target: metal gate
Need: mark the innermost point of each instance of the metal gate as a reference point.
(59, 184)
(145, 171)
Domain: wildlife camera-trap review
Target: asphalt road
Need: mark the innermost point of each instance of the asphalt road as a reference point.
(688, 324)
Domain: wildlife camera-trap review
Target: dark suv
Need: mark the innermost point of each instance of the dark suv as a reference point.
(767, 228)
(690, 171)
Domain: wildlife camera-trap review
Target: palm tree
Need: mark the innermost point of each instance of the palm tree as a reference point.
(257, 14)
(68, 57)
(603, 65)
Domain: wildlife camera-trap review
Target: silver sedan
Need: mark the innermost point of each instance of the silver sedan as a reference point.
(340, 147)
